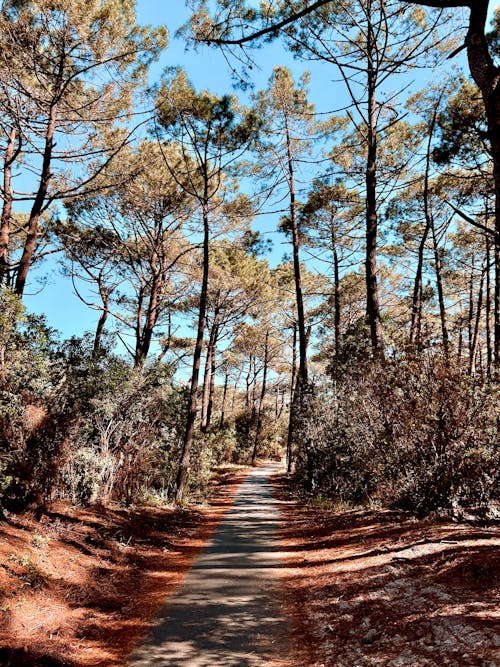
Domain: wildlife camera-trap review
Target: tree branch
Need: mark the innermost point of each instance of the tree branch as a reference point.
(272, 28)
(470, 220)
(441, 4)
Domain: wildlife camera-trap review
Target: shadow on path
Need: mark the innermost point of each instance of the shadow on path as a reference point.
(228, 611)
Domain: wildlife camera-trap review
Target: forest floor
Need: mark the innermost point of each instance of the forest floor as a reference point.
(383, 588)
(79, 587)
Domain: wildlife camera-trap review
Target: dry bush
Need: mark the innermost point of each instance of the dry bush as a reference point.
(416, 433)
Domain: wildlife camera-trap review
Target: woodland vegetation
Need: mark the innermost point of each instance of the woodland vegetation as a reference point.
(369, 355)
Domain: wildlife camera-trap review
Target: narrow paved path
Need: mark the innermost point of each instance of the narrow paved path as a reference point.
(228, 610)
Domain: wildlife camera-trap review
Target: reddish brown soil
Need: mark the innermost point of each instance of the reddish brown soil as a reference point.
(79, 587)
(382, 588)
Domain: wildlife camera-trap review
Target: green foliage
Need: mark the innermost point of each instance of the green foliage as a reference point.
(84, 426)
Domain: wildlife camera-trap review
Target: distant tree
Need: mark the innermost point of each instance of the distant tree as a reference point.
(369, 41)
(212, 132)
(130, 242)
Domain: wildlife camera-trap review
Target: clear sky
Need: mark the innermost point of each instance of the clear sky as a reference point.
(207, 69)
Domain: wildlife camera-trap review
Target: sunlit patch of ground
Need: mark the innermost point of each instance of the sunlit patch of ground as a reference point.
(79, 587)
(382, 588)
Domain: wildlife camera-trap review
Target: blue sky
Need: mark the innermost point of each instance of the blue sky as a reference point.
(207, 69)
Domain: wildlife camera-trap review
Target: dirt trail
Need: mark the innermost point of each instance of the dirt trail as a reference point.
(228, 612)
(363, 588)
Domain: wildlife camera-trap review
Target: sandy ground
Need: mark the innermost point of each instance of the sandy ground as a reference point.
(79, 588)
(382, 588)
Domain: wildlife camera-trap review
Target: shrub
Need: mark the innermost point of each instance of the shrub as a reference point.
(415, 433)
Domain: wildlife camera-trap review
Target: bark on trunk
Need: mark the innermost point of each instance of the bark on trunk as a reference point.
(293, 383)
(489, 348)
(416, 313)
(193, 390)
(211, 390)
(475, 338)
(102, 321)
(301, 325)
(372, 296)
(336, 290)
(10, 153)
(209, 377)
(224, 396)
(440, 291)
(258, 430)
(38, 204)
(487, 77)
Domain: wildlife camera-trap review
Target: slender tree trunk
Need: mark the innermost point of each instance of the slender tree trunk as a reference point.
(293, 383)
(151, 318)
(301, 326)
(211, 389)
(416, 312)
(193, 390)
(224, 395)
(168, 339)
(258, 430)
(372, 295)
(460, 340)
(145, 335)
(102, 321)
(336, 289)
(138, 325)
(475, 339)
(489, 348)
(38, 204)
(7, 208)
(470, 315)
(439, 285)
(248, 383)
(282, 403)
(208, 378)
(487, 77)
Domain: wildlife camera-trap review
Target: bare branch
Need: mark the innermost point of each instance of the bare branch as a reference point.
(470, 220)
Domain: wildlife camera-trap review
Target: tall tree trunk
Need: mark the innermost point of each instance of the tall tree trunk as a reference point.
(138, 325)
(487, 77)
(293, 383)
(470, 314)
(151, 320)
(38, 204)
(301, 325)
(460, 340)
(208, 378)
(372, 295)
(475, 338)
(416, 311)
(439, 285)
(10, 153)
(211, 389)
(248, 382)
(336, 289)
(224, 395)
(258, 430)
(282, 403)
(102, 321)
(489, 348)
(193, 390)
